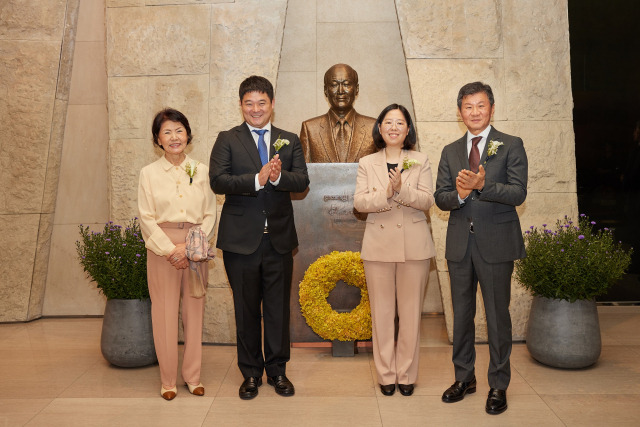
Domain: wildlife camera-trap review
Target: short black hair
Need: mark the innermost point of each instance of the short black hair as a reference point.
(256, 84)
(409, 141)
(169, 114)
(472, 89)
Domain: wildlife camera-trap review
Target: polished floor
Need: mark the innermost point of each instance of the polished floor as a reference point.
(52, 374)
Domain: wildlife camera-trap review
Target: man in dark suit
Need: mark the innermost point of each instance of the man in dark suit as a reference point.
(257, 233)
(342, 135)
(482, 177)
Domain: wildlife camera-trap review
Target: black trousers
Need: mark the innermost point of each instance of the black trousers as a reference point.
(495, 285)
(261, 278)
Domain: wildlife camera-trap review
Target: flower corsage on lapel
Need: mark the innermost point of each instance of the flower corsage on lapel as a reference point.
(191, 168)
(407, 163)
(492, 150)
(279, 144)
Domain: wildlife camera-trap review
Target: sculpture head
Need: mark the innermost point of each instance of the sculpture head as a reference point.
(341, 88)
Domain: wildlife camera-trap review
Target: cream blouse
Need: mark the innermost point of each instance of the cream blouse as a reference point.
(165, 195)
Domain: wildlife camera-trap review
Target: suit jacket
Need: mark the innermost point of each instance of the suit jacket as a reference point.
(495, 220)
(397, 228)
(233, 165)
(319, 146)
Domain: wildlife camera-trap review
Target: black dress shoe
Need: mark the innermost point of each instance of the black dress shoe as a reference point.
(282, 385)
(388, 389)
(496, 402)
(249, 388)
(405, 389)
(457, 391)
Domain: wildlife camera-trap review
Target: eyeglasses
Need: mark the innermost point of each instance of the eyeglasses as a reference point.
(399, 124)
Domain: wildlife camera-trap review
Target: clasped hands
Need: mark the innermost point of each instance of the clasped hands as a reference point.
(270, 170)
(178, 257)
(467, 181)
(395, 181)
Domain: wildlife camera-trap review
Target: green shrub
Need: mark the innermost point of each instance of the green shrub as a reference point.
(571, 262)
(116, 259)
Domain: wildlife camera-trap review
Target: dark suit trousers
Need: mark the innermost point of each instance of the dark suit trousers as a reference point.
(261, 277)
(495, 285)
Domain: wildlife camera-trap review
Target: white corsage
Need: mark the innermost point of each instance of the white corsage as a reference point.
(493, 148)
(191, 168)
(407, 163)
(280, 143)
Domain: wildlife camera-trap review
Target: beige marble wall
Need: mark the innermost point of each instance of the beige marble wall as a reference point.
(82, 185)
(36, 44)
(522, 51)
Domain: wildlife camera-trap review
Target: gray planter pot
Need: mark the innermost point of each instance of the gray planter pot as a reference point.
(564, 334)
(127, 336)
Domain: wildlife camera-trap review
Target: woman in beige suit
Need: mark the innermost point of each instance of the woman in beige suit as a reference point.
(395, 187)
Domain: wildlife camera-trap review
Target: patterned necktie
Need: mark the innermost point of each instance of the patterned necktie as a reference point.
(262, 146)
(474, 155)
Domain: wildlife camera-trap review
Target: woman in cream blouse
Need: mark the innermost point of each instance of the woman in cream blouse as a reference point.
(394, 186)
(174, 195)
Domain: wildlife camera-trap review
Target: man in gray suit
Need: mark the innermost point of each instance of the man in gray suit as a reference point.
(482, 177)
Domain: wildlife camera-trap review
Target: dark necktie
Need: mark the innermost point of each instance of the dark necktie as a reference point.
(262, 146)
(474, 155)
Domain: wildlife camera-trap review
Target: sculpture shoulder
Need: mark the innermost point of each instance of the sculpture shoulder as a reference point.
(365, 119)
(316, 120)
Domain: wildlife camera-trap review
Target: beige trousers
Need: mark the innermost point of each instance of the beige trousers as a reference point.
(401, 285)
(166, 285)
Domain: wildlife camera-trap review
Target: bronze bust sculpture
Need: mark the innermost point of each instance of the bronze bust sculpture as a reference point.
(341, 135)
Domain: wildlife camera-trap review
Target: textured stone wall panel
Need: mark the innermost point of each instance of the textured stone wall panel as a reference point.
(157, 40)
(131, 119)
(27, 92)
(219, 318)
(32, 19)
(451, 28)
(240, 48)
(127, 158)
(536, 57)
(20, 233)
(550, 150)
(435, 85)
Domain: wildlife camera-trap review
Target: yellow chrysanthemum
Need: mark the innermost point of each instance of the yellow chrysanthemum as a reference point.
(320, 279)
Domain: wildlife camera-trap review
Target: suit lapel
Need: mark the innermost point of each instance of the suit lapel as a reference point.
(247, 141)
(380, 168)
(493, 135)
(327, 139)
(461, 150)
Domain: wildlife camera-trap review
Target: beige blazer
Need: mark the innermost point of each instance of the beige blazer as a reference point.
(397, 228)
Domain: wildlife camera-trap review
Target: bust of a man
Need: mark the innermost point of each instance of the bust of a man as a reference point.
(341, 135)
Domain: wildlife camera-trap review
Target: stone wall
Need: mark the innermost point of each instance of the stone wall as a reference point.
(36, 47)
(82, 186)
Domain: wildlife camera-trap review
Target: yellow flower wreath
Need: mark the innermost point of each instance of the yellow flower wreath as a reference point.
(320, 279)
